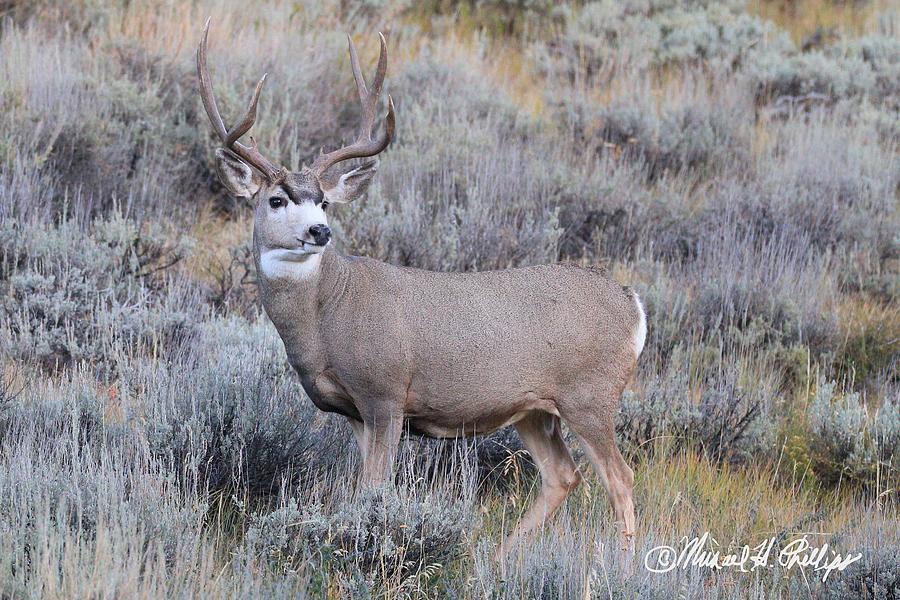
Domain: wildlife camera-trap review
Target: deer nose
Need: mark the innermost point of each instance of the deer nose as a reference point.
(320, 233)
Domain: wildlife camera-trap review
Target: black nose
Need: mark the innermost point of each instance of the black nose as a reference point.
(320, 233)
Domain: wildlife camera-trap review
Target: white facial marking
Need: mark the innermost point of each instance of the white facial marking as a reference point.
(304, 215)
(289, 264)
(640, 331)
(295, 254)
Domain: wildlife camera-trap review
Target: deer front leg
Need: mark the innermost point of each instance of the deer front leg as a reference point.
(378, 439)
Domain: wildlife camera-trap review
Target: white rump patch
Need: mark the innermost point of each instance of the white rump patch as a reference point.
(640, 332)
(289, 264)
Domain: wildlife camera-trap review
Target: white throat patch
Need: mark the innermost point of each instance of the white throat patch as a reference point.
(289, 264)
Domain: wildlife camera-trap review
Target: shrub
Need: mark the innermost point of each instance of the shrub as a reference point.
(682, 139)
(703, 399)
(233, 285)
(867, 352)
(846, 442)
(717, 35)
(835, 184)
(385, 536)
(11, 387)
(493, 17)
(731, 279)
(815, 73)
(661, 139)
(601, 36)
(865, 67)
(774, 283)
(548, 569)
(76, 473)
(882, 54)
(232, 415)
(875, 575)
(887, 430)
(103, 138)
(70, 295)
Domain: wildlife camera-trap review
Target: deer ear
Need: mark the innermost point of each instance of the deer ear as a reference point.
(236, 175)
(352, 184)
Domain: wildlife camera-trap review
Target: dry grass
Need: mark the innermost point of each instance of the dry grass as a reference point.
(802, 18)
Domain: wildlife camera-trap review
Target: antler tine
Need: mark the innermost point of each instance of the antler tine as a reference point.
(389, 124)
(379, 73)
(357, 74)
(249, 117)
(364, 144)
(206, 92)
(249, 154)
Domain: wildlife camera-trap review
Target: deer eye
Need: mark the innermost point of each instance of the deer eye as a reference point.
(324, 204)
(276, 202)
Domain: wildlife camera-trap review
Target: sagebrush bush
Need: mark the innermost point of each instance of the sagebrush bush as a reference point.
(877, 572)
(764, 285)
(730, 283)
(384, 536)
(601, 36)
(77, 469)
(867, 67)
(835, 184)
(548, 571)
(705, 399)
(882, 53)
(815, 73)
(875, 575)
(846, 442)
(887, 428)
(97, 128)
(231, 414)
(71, 293)
(699, 137)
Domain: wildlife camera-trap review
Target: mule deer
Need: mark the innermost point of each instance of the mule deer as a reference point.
(439, 354)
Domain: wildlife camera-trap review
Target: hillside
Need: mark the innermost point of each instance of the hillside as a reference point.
(736, 164)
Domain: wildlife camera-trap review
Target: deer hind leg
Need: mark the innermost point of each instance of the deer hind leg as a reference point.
(597, 436)
(542, 435)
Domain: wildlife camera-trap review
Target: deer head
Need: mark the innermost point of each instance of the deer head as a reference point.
(289, 206)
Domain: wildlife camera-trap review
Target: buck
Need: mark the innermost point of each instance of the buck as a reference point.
(397, 349)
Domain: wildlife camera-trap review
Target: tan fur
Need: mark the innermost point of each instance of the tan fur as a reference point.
(446, 354)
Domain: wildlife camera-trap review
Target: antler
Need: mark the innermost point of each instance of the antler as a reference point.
(364, 144)
(249, 154)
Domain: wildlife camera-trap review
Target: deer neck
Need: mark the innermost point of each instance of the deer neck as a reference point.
(297, 296)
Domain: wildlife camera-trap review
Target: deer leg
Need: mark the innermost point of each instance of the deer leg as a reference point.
(378, 442)
(598, 440)
(358, 434)
(542, 435)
